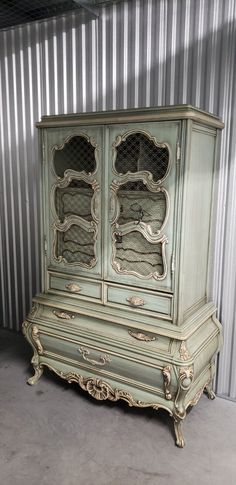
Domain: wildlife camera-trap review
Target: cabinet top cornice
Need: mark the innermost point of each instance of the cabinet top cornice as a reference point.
(163, 113)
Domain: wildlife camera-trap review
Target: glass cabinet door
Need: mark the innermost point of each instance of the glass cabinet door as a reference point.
(141, 213)
(75, 200)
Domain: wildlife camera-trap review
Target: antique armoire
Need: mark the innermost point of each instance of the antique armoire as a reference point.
(126, 245)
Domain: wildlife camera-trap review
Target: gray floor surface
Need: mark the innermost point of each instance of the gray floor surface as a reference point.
(53, 433)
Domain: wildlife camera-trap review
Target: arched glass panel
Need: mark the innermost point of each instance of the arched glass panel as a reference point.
(138, 153)
(77, 154)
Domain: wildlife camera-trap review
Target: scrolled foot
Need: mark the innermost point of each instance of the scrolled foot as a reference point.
(38, 370)
(179, 434)
(209, 392)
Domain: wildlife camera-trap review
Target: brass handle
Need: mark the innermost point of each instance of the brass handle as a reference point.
(135, 301)
(103, 359)
(73, 288)
(142, 336)
(63, 315)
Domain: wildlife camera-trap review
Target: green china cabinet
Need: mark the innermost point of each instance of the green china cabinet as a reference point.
(126, 244)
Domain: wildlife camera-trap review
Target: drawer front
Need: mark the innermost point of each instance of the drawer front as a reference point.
(133, 338)
(76, 286)
(103, 361)
(145, 301)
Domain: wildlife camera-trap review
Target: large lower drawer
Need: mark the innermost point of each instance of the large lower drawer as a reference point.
(103, 360)
(141, 300)
(131, 336)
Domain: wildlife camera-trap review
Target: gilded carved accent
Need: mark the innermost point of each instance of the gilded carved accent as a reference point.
(25, 326)
(166, 372)
(102, 391)
(196, 398)
(207, 388)
(183, 351)
(36, 339)
(185, 379)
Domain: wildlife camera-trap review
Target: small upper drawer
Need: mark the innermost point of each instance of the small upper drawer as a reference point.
(140, 299)
(75, 286)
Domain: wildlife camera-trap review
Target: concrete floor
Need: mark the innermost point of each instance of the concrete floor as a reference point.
(54, 433)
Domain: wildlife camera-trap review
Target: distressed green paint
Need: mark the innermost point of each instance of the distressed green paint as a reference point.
(153, 341)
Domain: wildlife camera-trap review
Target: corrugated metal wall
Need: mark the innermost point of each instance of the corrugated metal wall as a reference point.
(137, 53)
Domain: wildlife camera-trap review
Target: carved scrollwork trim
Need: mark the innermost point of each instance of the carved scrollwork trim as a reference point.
(185, 379)
(89, 139)
(144, 228)
(25, 326)
(33, 311)
(199, 393)
(183, 351)
(36, 339)
(157, 276)
(64, 182)
(102, 391)
(166, 372)
(71, 175)
(62, 227)
(153, 139)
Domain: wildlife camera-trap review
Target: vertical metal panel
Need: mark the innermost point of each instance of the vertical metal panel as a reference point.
(137, 53)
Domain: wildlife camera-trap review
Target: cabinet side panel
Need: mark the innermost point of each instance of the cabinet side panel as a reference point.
(196, 223)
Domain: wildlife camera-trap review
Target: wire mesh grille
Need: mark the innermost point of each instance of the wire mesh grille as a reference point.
(138, 153)
(135, 254)
(75, 200)
(76, 245)
(141, 205)
(77, 154)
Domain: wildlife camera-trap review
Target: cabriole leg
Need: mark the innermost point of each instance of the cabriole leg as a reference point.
(179, 433)
(209, 391)
(38, 370)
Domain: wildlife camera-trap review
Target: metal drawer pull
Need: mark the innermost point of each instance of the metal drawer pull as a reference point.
(103, 359)
(63, 315)
(141, 336)
(135, 301)
(73, 288)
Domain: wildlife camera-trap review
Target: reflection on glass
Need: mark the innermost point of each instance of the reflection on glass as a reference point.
(77, 154)
(138, 153)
